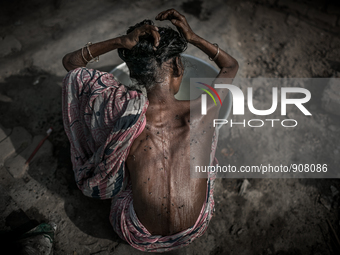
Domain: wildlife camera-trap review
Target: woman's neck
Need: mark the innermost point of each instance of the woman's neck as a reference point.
(163, 93)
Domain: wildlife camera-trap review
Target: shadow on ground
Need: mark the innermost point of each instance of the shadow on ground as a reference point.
(33, 101)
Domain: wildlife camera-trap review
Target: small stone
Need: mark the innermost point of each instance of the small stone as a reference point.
(325, 201)
(240, 231)
(244, 187)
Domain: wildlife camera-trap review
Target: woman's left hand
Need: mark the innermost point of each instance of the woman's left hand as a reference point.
(131, 39)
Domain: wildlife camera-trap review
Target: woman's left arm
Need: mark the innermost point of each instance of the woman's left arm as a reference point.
(81, 57)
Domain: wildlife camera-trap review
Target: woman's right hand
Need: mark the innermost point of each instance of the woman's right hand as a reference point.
(179, 21)
(131, 39)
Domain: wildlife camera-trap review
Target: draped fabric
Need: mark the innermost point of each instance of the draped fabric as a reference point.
(101, 119)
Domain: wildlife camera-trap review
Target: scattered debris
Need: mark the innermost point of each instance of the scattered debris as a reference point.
(39, 79)
(334, 191)
(326, 202)
(227, 152)
(243, 188)
(240, 231)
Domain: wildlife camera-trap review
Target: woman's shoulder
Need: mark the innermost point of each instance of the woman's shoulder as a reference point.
(93, 77)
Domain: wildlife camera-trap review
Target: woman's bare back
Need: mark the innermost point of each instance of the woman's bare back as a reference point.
(165, 198)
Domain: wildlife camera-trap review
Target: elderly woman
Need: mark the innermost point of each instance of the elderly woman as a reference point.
(135, 148)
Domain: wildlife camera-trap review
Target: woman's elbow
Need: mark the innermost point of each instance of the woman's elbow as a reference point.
(64, 61)
(234, 65)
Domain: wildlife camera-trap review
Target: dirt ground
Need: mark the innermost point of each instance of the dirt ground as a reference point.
(273, 38)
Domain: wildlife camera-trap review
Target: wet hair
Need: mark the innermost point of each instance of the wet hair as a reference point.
(145, 63)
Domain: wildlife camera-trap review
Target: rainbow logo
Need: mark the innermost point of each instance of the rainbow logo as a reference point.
(212, 89)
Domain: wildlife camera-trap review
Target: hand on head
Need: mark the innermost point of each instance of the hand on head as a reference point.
(179, 21)
(132, 38)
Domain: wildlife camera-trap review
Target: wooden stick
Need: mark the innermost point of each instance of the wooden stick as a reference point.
(39, 145)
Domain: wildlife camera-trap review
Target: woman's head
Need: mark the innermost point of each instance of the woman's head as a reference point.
(145, 63)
